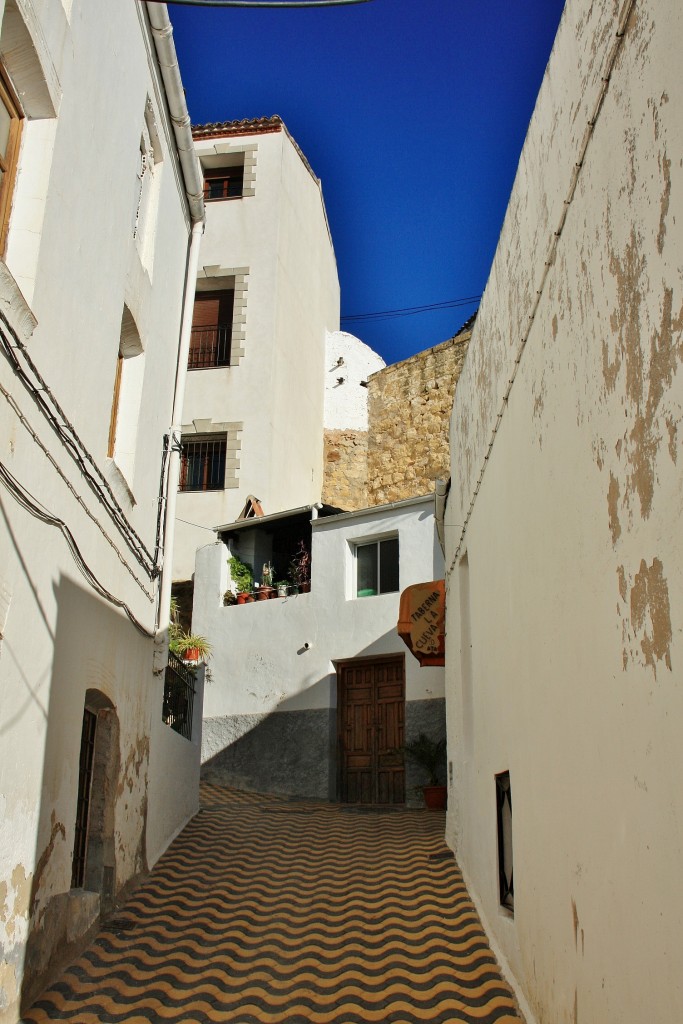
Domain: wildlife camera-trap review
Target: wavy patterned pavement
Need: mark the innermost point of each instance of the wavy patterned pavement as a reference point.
(266, 911)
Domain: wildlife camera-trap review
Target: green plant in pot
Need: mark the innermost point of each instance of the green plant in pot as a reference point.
(243, 576)
(191, 647)
(430, 755)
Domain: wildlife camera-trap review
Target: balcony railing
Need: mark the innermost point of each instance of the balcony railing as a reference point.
(178, 696)
(209, 346)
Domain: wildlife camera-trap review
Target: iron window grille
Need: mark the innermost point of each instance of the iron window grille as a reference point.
(504, 817)
(209, 346)
(202, 464)
(178, 696)
(377, 568)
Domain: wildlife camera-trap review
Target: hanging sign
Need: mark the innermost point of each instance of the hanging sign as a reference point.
(421, 621)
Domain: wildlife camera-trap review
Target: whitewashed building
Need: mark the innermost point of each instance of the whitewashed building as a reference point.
(99, 195)
(313, 694)
(564, 539)
(267, 298)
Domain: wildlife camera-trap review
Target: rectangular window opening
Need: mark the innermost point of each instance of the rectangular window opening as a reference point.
(211, 335)
(377, 568)
(202, 463)
(223, 183)
(504, 818)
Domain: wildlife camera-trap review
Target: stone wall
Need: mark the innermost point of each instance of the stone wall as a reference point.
(409, 407)
(346, 469)
(406, 447)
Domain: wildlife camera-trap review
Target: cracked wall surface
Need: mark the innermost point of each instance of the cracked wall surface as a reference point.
(567, 500)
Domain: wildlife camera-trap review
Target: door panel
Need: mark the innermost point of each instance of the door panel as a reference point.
(371, 723)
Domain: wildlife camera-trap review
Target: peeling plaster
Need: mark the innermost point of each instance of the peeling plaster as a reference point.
(665, 165)
(613, 508)
(648, 632)
(56, 830)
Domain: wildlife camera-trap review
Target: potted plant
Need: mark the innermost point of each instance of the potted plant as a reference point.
(300, 568)
(266, 589)
(243, 577)
(282, 588)
(192, 647)
(430, 755)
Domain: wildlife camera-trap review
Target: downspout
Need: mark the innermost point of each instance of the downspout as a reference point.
(162, 32)
(441, 489)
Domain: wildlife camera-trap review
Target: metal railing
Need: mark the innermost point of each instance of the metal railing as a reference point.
(178, 696)
(209, 346)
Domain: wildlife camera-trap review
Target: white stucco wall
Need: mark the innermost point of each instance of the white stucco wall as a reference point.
(346, 400)
(564, 622)
(279, 237)
(71, 265)
(259, 664)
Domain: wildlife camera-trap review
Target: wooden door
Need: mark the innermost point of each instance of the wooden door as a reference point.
(371, 708)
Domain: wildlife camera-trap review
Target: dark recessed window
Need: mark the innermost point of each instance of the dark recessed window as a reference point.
(377, 568)
(504, 814)
(211, 335)
(202, 463)
(223, 183)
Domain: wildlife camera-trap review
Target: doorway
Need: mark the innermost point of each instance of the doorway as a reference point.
(370, 724)
(93, 864)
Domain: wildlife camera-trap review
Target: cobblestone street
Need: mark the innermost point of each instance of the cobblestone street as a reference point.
(266, 910)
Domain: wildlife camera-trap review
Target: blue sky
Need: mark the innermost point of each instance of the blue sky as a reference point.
(412, 112)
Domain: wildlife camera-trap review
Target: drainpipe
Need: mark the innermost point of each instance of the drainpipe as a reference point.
(162, 33)
(441, 489)
(175, 433)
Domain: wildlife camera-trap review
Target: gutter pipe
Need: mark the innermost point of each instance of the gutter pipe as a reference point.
(162, 33)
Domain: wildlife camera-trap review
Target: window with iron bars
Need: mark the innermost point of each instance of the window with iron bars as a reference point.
(202, 463)
(179, 693)
(211, 335)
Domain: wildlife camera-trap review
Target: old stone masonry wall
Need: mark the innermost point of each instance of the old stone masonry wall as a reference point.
(405, 448)
(409, 410)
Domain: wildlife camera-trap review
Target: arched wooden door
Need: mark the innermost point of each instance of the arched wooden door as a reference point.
(370, 716)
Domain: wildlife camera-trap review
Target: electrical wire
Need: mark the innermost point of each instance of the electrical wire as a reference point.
(66, 432)
(36, 509)
(391, 314)
(25, 423)
(265, 4)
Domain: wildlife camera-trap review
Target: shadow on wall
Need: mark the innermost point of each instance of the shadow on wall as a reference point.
(293, 750)
(91, 762)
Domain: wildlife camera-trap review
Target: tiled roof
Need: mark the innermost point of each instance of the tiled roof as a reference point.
(247, 126)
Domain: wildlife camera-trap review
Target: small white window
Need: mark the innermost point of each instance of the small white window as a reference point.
(377, 567)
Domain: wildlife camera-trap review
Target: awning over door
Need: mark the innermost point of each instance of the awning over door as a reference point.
(421, 621)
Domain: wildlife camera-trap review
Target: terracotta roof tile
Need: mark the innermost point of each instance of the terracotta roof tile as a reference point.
(247, 126)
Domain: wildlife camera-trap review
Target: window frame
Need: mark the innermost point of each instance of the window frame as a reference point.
(192, 440)
(10, 159)
(223, 174)
(376, 542)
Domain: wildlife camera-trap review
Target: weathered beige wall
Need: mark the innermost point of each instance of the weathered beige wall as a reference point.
(409, 408)
(564, 618)
(405, 448)
(346, 469)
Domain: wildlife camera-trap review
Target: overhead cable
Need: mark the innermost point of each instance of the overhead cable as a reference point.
(390, 314)
(25, 423)
(43, 397)
(263, 3)
(32, 505)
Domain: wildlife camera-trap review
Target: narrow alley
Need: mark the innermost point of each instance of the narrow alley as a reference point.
(266, 910)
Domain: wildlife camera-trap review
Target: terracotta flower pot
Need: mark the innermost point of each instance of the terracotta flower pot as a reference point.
(435, 797)
(191, 654)
(242, 598)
